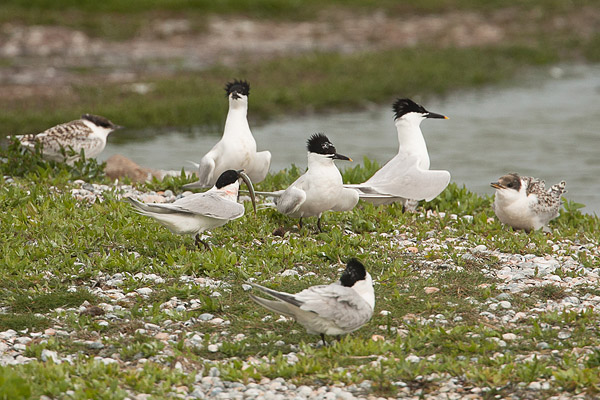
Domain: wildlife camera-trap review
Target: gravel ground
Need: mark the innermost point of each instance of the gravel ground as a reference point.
(517, 273)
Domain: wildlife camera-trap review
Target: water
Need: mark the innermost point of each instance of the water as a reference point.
(544, 124)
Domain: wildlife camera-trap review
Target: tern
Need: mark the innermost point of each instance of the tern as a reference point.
(524, 203)
(88, 134)
(199, 212)
(237, 147)
(320, 188)
(406, 178)
(335, 309)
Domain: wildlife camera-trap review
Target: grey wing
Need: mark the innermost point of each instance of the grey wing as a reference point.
(209, 204)
(336, 303)
(206, 168)
(401, 177)
(290, 200)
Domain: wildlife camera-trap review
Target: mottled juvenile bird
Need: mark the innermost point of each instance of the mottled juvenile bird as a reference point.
(336, 309)
(199, 212)
(320, 188)
(524, 202)
(406, 178)
(237, 147)
(88, 134)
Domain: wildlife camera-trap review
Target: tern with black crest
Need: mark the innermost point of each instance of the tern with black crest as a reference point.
(199, 212)
(335, 309)
(320, 188)
(88, 134)
(406, 178)
(237, 148)
(524, 203)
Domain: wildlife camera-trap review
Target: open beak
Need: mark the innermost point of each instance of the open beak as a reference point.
(434, 115)
(497, 185)
(235, 95)
(337, 156)
(248, 183)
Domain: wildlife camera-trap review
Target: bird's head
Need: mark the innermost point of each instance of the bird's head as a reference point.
(101, 122)
(407, 110)
(318, 144)
(238, 92)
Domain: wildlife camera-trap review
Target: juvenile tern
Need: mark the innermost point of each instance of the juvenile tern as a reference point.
(524, 203)
(201, 211)
(237, 147)
(320, 188)
(406, 177)
(335, 309)
(88, 134)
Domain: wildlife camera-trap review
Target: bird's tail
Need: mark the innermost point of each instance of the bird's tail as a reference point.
(558, 189)
(146, 209)
(276, 306)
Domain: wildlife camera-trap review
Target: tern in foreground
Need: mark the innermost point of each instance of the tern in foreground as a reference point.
(524, 203)
(320, 188)
(237, 148)
(406, 178)
(201, 211)
(88, 134)
(336, 309)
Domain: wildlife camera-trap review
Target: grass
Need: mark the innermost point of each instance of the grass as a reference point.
(320, 81)
(54, 249)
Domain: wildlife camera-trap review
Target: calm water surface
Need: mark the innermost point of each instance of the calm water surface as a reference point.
(544, 124)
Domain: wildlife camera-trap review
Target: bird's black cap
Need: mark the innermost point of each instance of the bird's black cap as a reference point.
(98, 120)
(238, 86)
(227, 178)
(353, 273)
(320, 144)
(405, 106)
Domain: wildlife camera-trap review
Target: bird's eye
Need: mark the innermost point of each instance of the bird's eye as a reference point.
(510, 185)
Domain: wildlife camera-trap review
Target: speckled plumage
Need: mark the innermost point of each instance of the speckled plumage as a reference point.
(524, 203)
(88, 134)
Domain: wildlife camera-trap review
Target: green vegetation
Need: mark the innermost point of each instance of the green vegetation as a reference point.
(53, 247)
(315, 81)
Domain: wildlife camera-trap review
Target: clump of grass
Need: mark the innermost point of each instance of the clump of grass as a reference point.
(16, 160)
(19, 322)
(43, 302)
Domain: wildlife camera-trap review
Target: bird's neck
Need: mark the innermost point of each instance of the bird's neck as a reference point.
(319, 162)
(365, 290)
(411, 140)
(236, 123)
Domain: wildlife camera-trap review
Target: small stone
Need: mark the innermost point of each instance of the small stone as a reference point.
(205, 317)
(543, 346)
(509, 336)
(50, 332)
(505, 304)
(213, 348)
(534, 386)
(564, 335)
(431, 289)
(377, 338)
(145, 291)
(162, 336)
(92, 311)
(50, 355)
(412, 249)
(413, 359)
